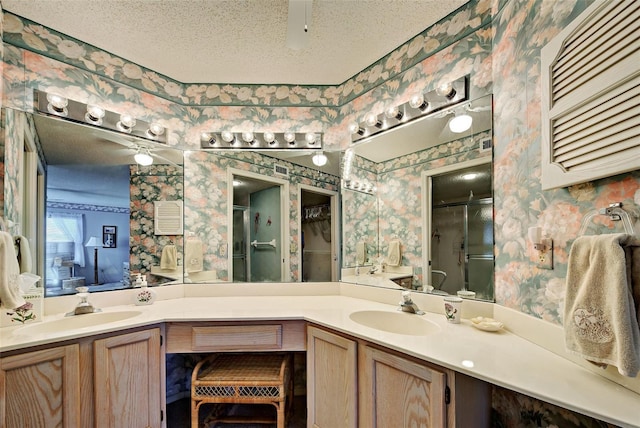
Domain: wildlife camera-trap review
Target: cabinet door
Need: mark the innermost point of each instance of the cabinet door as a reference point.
(331, 379)
(396, 392)
(41, 388)
(128, 383)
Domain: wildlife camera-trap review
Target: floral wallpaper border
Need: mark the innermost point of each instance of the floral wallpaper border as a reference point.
(29, 35)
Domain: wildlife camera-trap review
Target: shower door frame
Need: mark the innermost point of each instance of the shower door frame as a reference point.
(285, 264)
(427, 193)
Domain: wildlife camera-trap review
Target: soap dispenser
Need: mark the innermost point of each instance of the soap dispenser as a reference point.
(145, 295)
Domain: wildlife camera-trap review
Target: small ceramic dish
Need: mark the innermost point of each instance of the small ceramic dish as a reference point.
(466, 294)
(486, 324)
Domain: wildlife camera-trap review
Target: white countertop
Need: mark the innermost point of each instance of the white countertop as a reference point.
(502, 358)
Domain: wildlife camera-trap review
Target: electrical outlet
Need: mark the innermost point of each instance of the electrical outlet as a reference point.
(545, 257)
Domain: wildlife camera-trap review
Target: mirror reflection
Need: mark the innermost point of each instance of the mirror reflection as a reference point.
(94, 169)
(102, 210)
(387, 214)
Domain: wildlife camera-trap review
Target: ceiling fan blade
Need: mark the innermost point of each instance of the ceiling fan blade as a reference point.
(299, 24)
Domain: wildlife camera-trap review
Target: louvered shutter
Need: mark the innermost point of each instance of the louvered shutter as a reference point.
(167, 217)
(591, 96)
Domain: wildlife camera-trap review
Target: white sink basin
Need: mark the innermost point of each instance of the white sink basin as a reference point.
(76, 322)
(395, 322)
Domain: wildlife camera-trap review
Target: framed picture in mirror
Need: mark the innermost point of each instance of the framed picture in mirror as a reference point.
(109, 236)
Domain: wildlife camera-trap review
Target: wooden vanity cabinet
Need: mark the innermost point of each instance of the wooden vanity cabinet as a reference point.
(128, 380)
(41, 388)
(355, 383)
(397, 392)
(332, 381)
(114, 380)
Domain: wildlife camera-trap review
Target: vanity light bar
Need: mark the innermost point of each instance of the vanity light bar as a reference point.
(55, 105)
(227, 140)
(359, 186)
(420, 105)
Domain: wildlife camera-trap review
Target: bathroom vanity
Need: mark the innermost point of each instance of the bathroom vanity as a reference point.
(356, 373)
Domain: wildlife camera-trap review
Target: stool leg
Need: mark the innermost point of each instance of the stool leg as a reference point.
(280, 415)
(194, 414)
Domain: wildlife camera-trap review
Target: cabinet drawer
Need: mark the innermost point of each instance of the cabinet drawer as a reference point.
(227, 337)
(236, 337)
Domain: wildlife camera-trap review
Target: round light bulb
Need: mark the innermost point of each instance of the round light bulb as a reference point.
(371, 119)
(319, 159)
(290, 137)
(126, 123)
(155, 130)
(417, 101)
(57, 101)
(94, 115)
(227, 136)
(446, 90)
(393, 112)
(310, 137)
(460, 123)
(247, 137)
(269, 137)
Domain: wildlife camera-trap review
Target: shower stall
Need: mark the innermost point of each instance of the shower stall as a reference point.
(462, 247)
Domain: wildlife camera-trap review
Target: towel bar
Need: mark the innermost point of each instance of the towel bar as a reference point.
(255, 243)
(615, 213)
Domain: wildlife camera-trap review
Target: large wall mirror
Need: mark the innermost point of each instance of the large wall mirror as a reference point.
(87, 185)
(424, 202)
(93, 211)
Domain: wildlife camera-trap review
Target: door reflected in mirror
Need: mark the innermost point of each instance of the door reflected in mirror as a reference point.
(461, 231)
(257, 228)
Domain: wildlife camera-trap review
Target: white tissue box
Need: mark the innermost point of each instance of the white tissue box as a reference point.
(72, 283)
(9, 317)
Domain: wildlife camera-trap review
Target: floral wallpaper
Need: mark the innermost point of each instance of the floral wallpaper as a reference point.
(12, 124)
(496, 42)
(49, 43)
(149, 184)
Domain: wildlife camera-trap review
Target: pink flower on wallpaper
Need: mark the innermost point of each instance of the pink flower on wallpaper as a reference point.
(617, 191)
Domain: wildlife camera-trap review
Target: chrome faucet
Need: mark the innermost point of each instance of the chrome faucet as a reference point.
(84, 307)
(407, 305)
(373, 270)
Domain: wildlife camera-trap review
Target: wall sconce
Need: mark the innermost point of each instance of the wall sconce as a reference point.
(227, 140)
(55, 105)
(420, 105)
(544, 246)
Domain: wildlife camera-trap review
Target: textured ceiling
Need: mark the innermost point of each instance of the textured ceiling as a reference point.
(239, 41)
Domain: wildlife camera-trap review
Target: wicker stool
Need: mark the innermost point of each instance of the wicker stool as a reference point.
(241, 379)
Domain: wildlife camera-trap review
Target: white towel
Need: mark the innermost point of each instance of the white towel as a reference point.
(600, 320)
(394, 257)
(361, 253)
(169, 258)
(193, 255)
(24, 254)
(10, 294)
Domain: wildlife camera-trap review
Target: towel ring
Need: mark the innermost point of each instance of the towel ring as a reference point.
(615, 213)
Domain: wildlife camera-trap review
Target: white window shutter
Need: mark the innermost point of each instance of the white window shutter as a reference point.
(591, 96)
(167, 217)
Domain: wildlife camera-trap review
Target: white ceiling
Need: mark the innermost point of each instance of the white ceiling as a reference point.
(240, 41)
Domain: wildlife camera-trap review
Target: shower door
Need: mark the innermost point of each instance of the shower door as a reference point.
(240, 243)
(479, 248)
